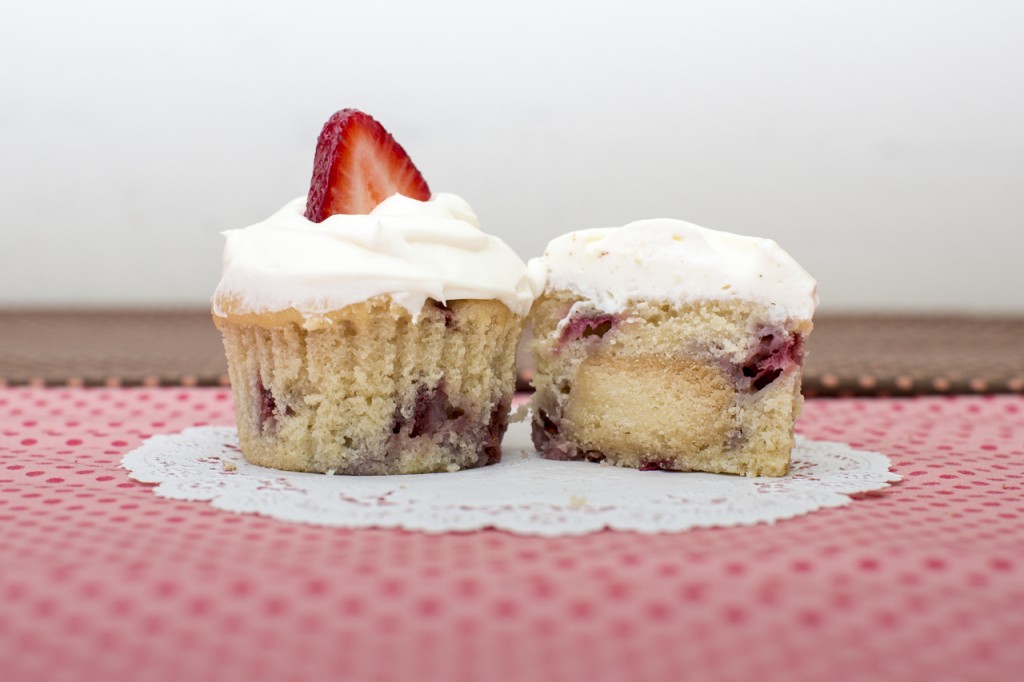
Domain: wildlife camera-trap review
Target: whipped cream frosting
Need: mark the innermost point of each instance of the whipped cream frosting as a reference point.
(672, 260)
(409, 249)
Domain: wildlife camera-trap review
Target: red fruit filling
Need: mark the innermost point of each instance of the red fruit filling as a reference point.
(495, 430)
(434, 413)
(656, 465)
(358, 165)
(545, 435)
(586, 326)
(431, 411)
(268, 411)
(550, 442)
(545, 424)
(267, 404)
(446, 311)
(775, 353)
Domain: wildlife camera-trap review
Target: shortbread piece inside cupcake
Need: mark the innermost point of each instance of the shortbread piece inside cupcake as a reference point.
(665, 345)
(371, 327)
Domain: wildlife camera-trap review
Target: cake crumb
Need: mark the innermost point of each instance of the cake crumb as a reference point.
(331, 471)
(228, 465)
(452, 468)
(521, 414)
(577, 501)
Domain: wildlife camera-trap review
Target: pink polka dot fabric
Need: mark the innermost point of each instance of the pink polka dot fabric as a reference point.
(102, 580)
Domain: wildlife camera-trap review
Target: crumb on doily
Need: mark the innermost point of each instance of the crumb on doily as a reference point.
(577, 501)
(330, 472)
(228, 465)
(452, 468)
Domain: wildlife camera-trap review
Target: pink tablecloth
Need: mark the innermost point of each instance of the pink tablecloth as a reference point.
(100, 579)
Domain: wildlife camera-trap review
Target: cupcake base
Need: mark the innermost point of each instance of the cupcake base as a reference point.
(712, 387)
(369, 390)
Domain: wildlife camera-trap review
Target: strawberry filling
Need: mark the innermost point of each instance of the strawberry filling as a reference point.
(775, 353)
(267, 409)
(586, 326)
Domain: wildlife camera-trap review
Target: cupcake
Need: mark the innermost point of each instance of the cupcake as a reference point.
(665, 345)
(371, 327)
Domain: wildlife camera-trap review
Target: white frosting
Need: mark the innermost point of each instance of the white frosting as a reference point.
(671, 260)
(412, 250)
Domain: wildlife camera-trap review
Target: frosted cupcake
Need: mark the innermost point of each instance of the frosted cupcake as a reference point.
(665, 345)
(371, 327)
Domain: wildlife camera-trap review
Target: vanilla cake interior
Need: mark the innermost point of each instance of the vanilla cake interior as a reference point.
(704, 386)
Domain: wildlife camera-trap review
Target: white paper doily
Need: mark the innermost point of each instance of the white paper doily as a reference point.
(522, 494)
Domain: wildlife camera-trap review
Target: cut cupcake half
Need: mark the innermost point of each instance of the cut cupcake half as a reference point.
(665, 346)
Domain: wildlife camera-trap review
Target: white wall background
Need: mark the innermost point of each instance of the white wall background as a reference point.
(880, 142)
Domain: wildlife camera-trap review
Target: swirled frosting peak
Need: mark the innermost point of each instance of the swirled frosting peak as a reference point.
(411, 250)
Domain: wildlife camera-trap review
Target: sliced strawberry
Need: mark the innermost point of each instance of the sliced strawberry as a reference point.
(358, 165)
